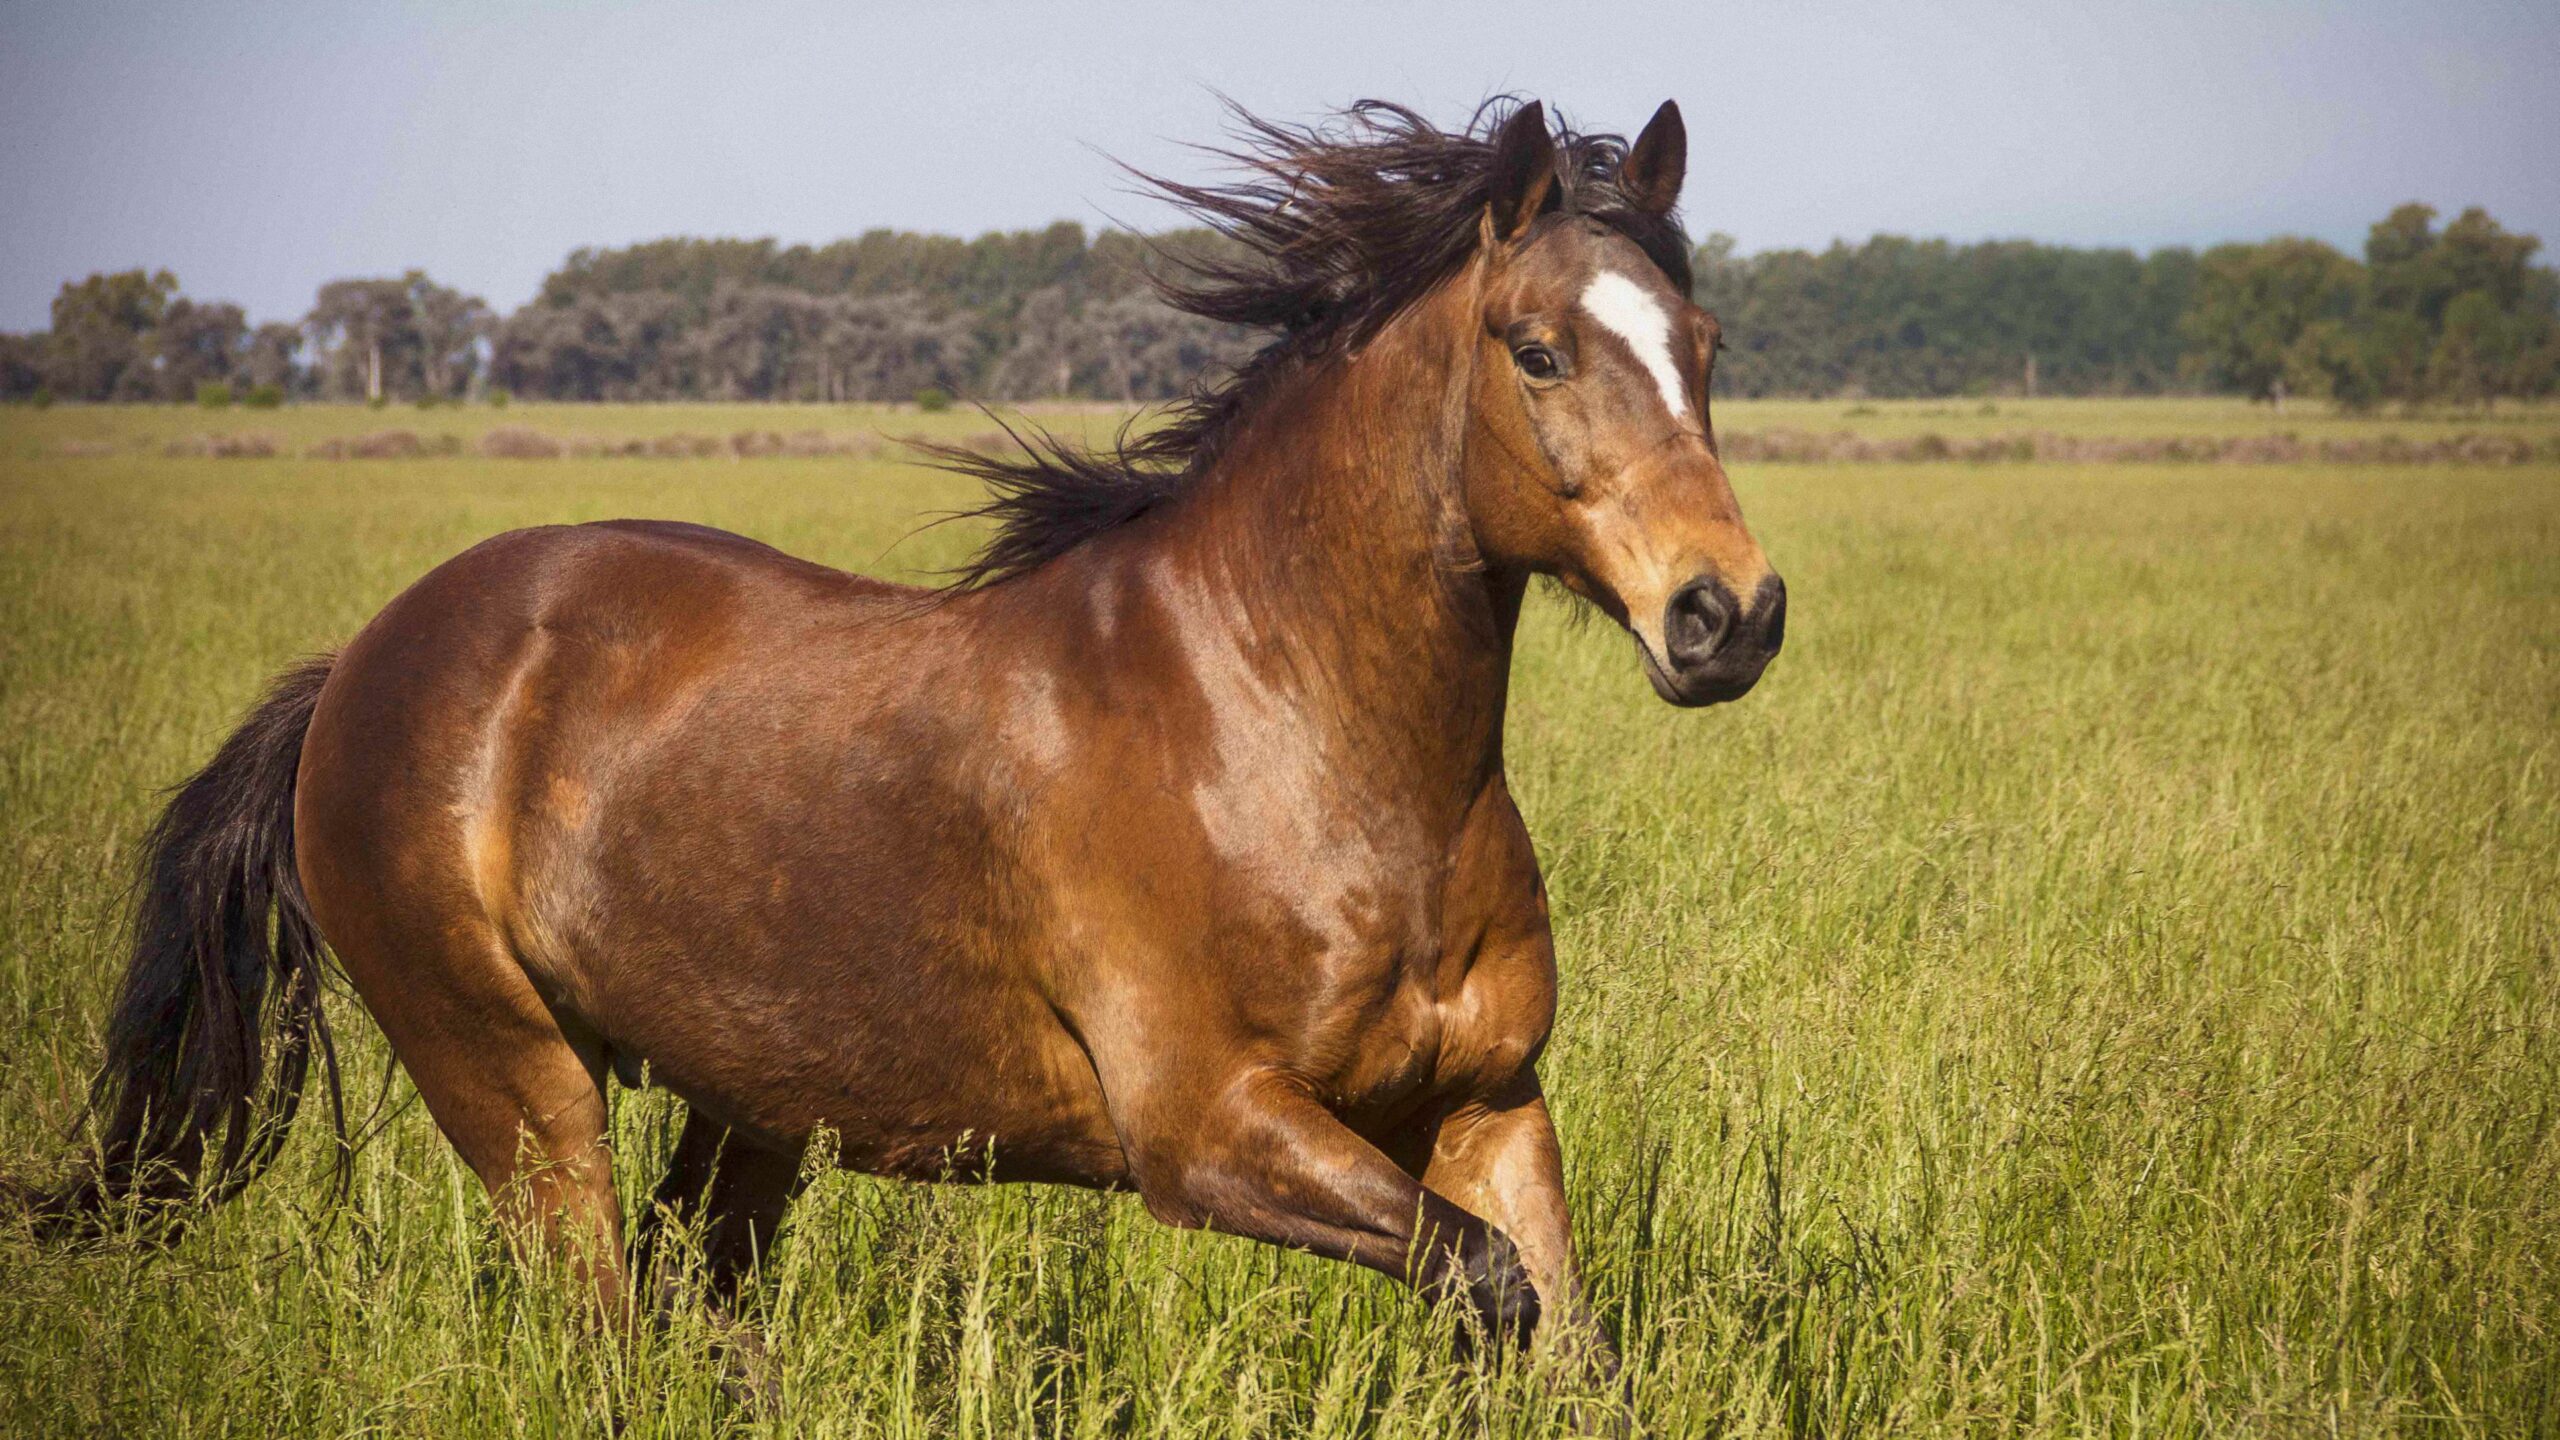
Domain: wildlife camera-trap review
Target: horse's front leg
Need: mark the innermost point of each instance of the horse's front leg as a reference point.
(1253, 1154)
(1497, 1156)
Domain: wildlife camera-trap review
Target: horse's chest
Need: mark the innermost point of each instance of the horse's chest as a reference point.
(1400, 960)
(1388, 1063)
(1451, 1013)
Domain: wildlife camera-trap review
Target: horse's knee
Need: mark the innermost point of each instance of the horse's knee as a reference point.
(1496, 1286)
(1289, 1173)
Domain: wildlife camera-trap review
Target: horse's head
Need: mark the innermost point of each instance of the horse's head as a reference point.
(1589, 453)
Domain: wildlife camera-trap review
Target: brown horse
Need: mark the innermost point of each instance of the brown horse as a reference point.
(1168, 850)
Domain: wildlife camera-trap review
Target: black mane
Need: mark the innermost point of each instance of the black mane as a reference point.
(1335, 228)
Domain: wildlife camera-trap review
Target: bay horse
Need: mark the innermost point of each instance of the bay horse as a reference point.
(1167, 848)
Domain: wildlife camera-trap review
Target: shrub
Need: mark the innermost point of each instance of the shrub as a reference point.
(498, 397)
(384, 445)
(43, 398)
(255, 445)
(515, 442)
(933, 399)
(263, 397)
(213, 395)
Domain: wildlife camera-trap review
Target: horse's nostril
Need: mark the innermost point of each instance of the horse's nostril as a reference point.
(1772, 608)
(1700, 617)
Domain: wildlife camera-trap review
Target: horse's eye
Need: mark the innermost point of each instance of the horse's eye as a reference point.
(1538, 362)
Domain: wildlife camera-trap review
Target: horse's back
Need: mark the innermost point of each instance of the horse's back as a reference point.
(477, 667)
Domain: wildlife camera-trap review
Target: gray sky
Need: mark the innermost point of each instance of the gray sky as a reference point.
(259, 150)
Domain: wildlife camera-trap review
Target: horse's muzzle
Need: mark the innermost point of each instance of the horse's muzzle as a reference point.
(1714, 647)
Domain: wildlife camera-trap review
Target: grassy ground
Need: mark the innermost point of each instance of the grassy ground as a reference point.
(94, 431)
(2215, 416)
(2105, 980)
(84, 430)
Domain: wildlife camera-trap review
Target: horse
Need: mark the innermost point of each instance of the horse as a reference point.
(1166, 848)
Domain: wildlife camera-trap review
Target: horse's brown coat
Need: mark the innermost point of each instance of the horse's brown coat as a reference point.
(1181, 861)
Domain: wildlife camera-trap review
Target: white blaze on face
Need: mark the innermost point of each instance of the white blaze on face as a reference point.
(1635, 316)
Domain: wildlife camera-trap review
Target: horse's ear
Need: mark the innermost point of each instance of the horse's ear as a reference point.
(1524, 170)
(1659, 162)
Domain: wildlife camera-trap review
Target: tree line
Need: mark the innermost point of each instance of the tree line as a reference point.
(2457, 313)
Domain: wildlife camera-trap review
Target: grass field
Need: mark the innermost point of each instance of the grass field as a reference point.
(2217, 416)
(2105, 980)
(113, 430)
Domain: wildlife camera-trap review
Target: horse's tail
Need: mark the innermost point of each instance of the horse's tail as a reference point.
(219, 1014)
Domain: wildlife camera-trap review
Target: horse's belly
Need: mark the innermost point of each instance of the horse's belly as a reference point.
(806, 1011)
(997, 1092)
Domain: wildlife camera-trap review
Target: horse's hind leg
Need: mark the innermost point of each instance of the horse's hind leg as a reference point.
(735, 1190)
(520, 1096)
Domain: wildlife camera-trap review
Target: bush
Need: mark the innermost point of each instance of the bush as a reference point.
(264, 397)
(213, 395)
(377, 402)
(43, 398)
(933, 400)
(384, 445)
(256, 445)
(514, 442)
(498, 397)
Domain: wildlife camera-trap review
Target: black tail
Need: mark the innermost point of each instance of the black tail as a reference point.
(219, 1015)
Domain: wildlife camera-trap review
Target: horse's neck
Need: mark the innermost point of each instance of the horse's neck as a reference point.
(1332, 534)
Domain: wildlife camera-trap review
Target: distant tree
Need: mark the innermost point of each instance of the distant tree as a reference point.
(1151, 351)
(22, 366)
(1926, 317)
(1045, 353)
(2400, 253)
(2486, 350)
(716, 317)
(624, 346)
(267, 360)
(197, 344)
(100, 347)
(987, 272)
(2460, 314)
(758, 340)
(2263, 313)
(883, 347)
(2335, 359)
(1129, 346)
(450, 326)
(409, 336)
(361, 337)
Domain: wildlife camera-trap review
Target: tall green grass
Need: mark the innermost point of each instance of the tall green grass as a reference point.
(2105, 980)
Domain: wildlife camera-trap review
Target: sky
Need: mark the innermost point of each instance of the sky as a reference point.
(259, 150)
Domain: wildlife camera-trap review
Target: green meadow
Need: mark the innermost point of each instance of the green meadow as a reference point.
(93, 431)
(2106, 979)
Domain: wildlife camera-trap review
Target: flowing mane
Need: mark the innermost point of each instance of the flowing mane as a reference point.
(1334, 228)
